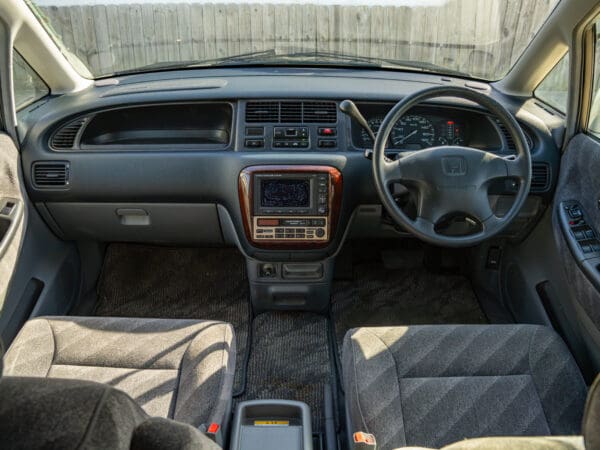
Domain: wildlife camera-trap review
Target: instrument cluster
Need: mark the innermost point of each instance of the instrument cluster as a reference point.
(429, 126)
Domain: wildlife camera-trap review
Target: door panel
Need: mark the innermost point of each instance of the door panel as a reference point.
(579, 183)
(12, 212)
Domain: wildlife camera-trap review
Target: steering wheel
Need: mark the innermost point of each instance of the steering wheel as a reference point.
(451, 181)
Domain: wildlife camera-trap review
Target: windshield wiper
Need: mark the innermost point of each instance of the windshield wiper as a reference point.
(251, 57)
(387, 63)
(271, 57)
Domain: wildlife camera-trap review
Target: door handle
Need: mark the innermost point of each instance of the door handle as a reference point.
(133, 216)
(11, 211)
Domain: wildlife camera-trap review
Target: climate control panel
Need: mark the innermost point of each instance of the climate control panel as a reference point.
(291, 228)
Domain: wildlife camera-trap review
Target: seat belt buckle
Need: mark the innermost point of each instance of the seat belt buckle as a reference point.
(214, 433)
(364, 441)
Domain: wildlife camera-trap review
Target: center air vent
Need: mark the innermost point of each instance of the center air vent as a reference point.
(291, 112)
(53, 174)
(540, 177)
(320, 112)
(65, 138)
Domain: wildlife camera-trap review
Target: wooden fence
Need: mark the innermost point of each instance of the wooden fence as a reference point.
(116, 37)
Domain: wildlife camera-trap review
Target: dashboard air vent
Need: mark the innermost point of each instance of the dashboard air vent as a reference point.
(65, 137)
(320, 112)
(540, 177)
(54, 174)
(291, 112)
(510, 143)
(262, 112)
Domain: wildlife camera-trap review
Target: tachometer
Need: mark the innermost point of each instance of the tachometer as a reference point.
(413, 132)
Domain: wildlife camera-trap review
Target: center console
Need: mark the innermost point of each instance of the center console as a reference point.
(290, 208)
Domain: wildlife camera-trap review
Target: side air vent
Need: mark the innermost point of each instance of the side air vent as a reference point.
(540, 177)
(510, 143)
(65, 137)
(320, 112)
(291, 112)
(262, 112)
(53, 174)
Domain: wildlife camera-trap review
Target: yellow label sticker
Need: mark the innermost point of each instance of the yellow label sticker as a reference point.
(278, 423)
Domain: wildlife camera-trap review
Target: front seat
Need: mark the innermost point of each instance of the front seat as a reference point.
(177, 369)
(430, 386)
(46, 413)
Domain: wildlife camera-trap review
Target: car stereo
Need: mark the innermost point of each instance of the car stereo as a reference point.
(291, 194)
(289, 204)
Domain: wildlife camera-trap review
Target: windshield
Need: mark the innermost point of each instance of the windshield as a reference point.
(474, 38)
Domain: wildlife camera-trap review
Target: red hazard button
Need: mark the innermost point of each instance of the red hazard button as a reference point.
(327, 131)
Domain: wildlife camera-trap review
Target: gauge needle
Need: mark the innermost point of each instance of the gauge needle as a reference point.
(407, 136)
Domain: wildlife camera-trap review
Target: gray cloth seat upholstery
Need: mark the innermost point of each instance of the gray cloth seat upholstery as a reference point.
(45, 413)
(178, 369)
(430, 386)
(514, 443)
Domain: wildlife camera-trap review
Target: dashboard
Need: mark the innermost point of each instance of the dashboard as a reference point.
(120, 160)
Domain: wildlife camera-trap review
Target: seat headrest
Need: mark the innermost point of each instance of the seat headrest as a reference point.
(591, 417)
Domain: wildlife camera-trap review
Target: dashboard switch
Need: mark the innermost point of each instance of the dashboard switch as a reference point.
(327, 143)
(327, 131)
(255, 143)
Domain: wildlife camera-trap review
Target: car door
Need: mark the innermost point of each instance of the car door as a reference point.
(576, 209)
(39, 273)
(12, 214)
(13, 219)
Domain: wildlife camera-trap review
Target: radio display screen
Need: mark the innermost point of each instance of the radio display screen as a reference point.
(285, 193)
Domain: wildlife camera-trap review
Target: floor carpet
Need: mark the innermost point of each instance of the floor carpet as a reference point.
(183, 283)
(290, 360)
(386, 286)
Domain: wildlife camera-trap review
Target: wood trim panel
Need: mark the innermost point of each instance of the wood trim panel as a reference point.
(246, 197)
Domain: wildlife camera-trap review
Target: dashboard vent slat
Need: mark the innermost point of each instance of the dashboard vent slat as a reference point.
(320, 112)
(296, 112)
(54, 174)
(290, 112)
(262, 112)
(540, 177)
(65, 137)
(510, 143)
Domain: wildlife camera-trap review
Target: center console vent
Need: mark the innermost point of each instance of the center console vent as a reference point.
(320, 112)
(291, 112)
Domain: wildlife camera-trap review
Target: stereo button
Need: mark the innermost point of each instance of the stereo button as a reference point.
(320, 232)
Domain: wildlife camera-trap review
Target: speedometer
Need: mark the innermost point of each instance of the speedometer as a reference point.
(413, 132)
(374, 124)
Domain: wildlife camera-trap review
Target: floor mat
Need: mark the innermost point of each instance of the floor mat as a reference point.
(392, 287)
(290, 360)
(183, 283)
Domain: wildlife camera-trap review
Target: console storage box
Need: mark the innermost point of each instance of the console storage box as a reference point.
(272, 425)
